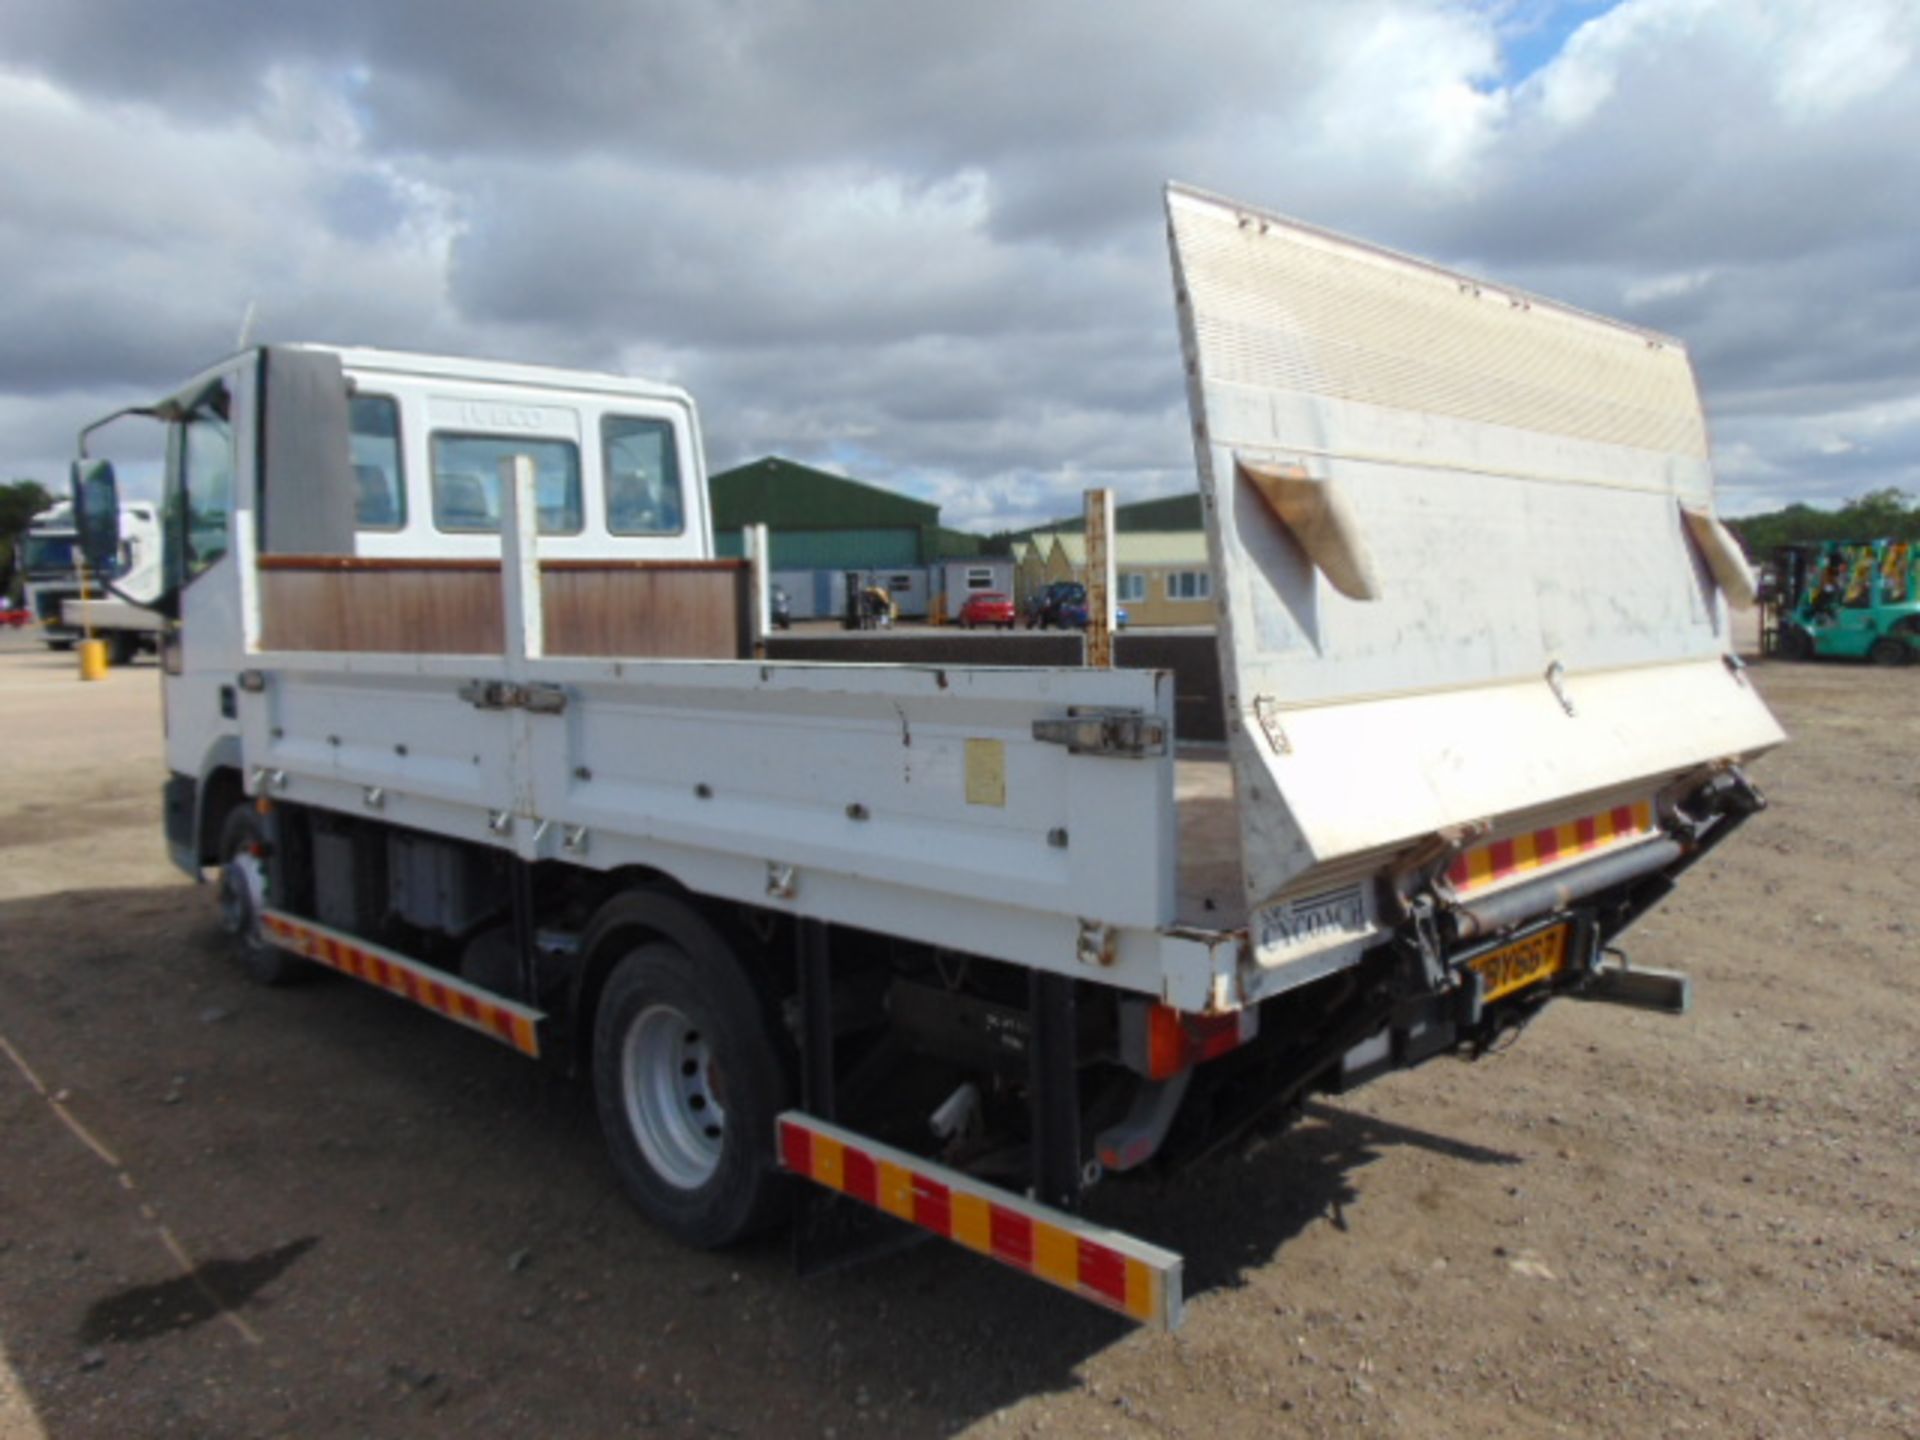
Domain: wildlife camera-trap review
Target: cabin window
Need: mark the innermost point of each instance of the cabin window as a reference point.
(380, 492)
(642, 468)
(206, 482)
(466, 481)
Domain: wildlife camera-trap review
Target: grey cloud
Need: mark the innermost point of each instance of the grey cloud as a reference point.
(928, 238)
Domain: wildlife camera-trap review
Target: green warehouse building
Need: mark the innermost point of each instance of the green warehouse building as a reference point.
(822, 525)
(820, 521)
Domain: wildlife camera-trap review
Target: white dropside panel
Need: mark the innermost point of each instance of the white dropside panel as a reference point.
(913, 801)
(1507, 478)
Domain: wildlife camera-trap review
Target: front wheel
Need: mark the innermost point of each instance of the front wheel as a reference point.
(242, 896)
(1889, 651)
(1795, 643)
(688, 1084)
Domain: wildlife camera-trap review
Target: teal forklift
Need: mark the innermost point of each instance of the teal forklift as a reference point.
(1859, 599)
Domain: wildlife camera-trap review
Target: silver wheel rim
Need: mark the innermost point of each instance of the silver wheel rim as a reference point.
(673, 1106)
(243, 886)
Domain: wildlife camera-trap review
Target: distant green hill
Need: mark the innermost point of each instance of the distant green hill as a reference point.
(1167, 512)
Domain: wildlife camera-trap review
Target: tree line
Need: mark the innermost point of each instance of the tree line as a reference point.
(20, 501)
(1877, 515)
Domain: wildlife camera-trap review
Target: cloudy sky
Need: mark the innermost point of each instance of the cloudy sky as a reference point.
(923, 243)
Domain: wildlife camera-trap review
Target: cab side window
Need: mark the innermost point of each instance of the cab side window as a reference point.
(466, 481)
(642, 469)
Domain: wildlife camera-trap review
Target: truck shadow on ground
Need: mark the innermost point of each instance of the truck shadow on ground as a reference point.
(473, 1228)
(143, 1312)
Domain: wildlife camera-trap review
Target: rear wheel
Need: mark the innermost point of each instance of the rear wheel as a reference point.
(1889, 651)
(59, 644)
(242, 895)
(687, 1082)
(1795, 643)
(122, 646)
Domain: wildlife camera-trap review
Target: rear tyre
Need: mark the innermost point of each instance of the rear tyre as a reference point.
(1888, 651)
(242, 894)
(59, 644)
(1795, 643)
(122, 646)
(688, 1084)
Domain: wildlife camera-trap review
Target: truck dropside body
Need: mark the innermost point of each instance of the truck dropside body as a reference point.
(461, 704)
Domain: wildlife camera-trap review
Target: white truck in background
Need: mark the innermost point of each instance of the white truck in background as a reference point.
(459, 703)
(116, 604)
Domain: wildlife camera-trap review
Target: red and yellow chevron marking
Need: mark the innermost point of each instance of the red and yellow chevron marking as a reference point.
(1138, 1280)
(1488, 865)
(504, 1020)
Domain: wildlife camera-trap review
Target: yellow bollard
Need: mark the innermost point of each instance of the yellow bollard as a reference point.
(93, 659)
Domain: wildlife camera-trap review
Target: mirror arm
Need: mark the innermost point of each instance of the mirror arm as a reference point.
(152, 412)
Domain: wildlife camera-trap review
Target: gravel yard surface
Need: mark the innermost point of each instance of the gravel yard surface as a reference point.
(227, 1211)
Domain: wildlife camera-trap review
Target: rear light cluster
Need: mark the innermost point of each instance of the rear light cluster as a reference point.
(1160, 1042)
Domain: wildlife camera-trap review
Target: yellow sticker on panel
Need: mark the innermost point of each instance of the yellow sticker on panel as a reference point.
(987, 772)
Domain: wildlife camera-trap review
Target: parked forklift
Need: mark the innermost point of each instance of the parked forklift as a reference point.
(1859, 599)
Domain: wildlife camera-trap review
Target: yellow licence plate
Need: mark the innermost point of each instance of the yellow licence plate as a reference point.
(1523, 963)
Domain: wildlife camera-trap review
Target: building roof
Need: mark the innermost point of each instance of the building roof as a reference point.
(787, 495)
(1163, 548)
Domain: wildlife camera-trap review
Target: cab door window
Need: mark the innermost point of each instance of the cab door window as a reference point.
(380, 491)
(206, 483)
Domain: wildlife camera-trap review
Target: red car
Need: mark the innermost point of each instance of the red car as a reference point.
(15, 617)
(989, 607)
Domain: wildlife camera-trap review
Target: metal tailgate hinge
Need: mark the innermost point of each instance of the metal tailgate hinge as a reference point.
(539, 699)
(1105, 732)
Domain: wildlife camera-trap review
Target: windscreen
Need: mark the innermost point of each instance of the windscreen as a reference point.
(45, 554)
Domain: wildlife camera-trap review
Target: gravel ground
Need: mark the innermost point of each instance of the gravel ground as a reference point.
(233, 1212)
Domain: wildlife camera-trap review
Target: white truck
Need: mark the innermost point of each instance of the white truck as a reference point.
(116, 604)
(459, 703)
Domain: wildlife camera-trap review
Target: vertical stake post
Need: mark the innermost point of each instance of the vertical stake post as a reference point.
(526, 633)
(525, 641)
(753, 544)
(1101, 584)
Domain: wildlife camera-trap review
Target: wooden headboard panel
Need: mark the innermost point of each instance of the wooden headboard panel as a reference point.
(646, 609)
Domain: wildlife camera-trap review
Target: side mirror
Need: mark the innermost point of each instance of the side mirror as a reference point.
(96, 515)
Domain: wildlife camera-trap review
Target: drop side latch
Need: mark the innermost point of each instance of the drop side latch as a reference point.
(1126, 733)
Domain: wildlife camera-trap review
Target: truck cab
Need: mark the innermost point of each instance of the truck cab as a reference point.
(53, 567)
(620, 476)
